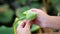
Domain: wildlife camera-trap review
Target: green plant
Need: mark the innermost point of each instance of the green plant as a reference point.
(6, 14)
(22, 15)
(6, 30)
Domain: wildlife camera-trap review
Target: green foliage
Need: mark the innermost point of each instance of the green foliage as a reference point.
(34, 28)
(6, 15)
(23, 14)
(5, 6)
(30, 15)
(22, 1)
(20, 11)
(56, 4)
(35, 0)
(17, 21)
(6, 30)
(34, 5)
(52, 10)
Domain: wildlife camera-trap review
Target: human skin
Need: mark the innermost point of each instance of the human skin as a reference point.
(53, 22)
(24, 27)
(42, 19)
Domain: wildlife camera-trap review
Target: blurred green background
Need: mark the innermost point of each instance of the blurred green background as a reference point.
(9, 8)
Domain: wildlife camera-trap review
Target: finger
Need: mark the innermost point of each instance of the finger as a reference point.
(28, 24)
(21, 25)
(37, 11)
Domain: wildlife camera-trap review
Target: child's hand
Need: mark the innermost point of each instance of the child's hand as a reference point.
(24, 27)
(41, 18)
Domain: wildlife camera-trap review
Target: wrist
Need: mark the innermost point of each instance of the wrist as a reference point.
(47, 23)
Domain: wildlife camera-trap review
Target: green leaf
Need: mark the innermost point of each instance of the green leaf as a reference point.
(30, 15)
(6, 30)
(25, 13)
(6, 16)
(20, 11)
(17, 22)
(34, 28)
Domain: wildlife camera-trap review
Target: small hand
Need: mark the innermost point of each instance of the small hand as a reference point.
(24, 27)
(41, 18)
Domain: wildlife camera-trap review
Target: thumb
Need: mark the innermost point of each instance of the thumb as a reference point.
(28, 24)
(21, 25)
